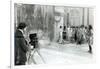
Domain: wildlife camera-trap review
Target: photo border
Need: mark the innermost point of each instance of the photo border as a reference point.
(39, 3)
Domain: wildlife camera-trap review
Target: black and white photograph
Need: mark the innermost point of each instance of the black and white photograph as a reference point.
(50, 34)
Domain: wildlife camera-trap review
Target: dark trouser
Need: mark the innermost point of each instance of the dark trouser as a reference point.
(20, 63)
(90, 49)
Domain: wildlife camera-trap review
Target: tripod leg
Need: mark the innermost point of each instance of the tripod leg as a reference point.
(32, 57)
(29, 58)
(40, 55)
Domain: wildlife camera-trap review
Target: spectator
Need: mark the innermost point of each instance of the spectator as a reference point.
(90, 38)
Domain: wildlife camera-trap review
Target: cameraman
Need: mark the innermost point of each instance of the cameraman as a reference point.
(21, 46)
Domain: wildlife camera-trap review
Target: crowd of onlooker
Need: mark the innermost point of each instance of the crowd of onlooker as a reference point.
(79, 35)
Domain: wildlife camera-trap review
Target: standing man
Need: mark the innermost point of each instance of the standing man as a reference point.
(21, 46)
(60, 35)
(90, 38)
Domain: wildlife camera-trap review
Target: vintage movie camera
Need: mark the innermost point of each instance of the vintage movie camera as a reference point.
(33, 40)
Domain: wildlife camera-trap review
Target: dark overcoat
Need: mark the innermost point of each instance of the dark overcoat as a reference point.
(20, 47)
